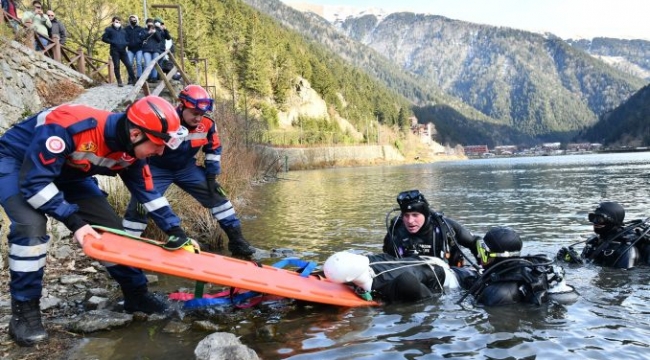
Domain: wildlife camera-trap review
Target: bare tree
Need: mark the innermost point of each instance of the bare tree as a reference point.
(85, 20)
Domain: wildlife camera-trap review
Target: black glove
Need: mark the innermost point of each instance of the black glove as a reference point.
(177, 239)
(569, 255)
(213, 186)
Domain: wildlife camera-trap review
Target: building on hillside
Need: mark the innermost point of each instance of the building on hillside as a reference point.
(475, 149)
(582, 147)
(505, 149)
(551, 146)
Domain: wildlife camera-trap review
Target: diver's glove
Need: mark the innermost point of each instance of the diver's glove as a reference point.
(569, 255)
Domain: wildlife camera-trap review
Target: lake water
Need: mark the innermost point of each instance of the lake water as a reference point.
(546, 199)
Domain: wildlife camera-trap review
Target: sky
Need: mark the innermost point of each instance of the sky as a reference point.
(624, 19)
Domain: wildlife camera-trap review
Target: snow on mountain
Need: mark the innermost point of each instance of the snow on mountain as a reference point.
(336, 14)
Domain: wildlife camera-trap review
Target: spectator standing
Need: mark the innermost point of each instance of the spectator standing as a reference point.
(115, 35)
(151, 47)
(164, 34)
(57, 29)
(135, 35)
(10, 7)
(40, 24)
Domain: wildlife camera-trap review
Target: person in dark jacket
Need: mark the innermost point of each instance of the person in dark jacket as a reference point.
(116, 37)
(392, 279)
(510, 278)
(615, 243)
(57, 30)
(419, 230)
(151, 47)
(135, 35)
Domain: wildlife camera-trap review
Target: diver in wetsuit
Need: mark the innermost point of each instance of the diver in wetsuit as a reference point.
(615, 243)
(419, 230)
(510, 278)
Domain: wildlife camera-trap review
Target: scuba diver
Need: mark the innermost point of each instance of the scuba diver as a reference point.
(615, 243)
(419, 230)
(394, 279)
(509, 278)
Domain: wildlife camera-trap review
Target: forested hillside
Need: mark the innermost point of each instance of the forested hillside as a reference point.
(630, 56)
(627, 125)
(255, 59)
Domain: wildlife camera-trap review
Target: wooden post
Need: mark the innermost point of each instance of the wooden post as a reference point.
(57, 48)
(81, 62)
(111, 72)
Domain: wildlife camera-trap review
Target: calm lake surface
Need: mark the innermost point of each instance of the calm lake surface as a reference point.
(546, 199)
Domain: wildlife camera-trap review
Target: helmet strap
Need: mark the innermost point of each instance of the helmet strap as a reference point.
(130, 147)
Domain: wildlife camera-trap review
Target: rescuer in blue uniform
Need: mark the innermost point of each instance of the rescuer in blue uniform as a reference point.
(47, 163)
(179, 167)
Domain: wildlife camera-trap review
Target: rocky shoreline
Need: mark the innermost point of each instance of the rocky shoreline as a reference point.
(80, 298)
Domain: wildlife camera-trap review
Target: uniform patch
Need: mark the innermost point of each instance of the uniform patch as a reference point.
(88, 147)
(200, 128)
(55, 144)
(126, 157)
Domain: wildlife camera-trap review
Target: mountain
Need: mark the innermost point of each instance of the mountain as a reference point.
(536, 84)
(627, 125)
(630, 56)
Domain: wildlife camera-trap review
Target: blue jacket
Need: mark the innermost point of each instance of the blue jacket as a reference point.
(134, 37)
(204, 137)
(71, 142)
(115, 37)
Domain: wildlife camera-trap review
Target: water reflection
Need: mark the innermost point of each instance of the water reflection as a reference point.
(546, 199)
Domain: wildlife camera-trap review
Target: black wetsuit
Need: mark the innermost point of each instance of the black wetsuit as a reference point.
(439, 236)
(620, 248)
(394, 282)
(514, 280)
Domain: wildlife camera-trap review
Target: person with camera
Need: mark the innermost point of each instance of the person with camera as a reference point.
(151, 47)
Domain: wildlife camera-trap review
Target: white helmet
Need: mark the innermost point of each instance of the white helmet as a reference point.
(343, 267)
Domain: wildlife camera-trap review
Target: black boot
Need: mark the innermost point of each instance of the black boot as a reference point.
(140, 299)
(25, 326)
(237, 245)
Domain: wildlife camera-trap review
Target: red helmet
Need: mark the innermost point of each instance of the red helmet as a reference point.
(196, 97)
(158, 119)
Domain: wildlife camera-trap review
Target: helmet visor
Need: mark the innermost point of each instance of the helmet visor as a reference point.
(176, 138)
(172, 139)
(200, 104)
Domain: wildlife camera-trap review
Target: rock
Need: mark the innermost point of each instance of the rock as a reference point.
(100, 292)
(97, 320)
(205, 325)
(63, 252)
(176, 327)
(96, 303)
(153, 279)
(73, 279)
(49, 302)
(223, 346)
